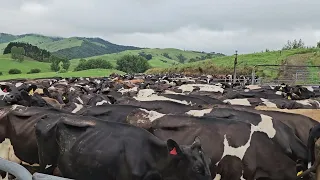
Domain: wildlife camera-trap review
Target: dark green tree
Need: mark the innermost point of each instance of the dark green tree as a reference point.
(294, 45)
(93, 64)
(193, 60)
(181, 58)
(54, 63)
(14, 52)
(132, 64)
(65, 64)
(20, 54)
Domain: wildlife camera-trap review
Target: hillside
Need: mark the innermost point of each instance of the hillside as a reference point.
(161, 64)
(158, 58)
(86, 73)
(73, 47)
(224, 65)
(6, 63)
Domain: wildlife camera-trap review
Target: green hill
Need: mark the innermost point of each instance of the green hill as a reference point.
(73, 47)
(162, 64)
(158, 58)
(246, 62)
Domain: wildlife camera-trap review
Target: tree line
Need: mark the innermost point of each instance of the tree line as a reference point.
(127, 63)
(29, 50)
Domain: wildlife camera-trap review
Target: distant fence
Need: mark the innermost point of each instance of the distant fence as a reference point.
(288, 74)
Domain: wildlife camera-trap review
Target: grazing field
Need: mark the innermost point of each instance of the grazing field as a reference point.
(217, 65)
(6, 63)
(245, 62)
(158, 59)
(86, 73)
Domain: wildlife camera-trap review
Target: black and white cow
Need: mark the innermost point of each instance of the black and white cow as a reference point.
(121, 151)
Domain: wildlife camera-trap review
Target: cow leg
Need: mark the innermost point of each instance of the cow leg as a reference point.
(317, 158)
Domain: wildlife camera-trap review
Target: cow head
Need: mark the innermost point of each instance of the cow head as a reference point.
(189, 160)
(13, 97)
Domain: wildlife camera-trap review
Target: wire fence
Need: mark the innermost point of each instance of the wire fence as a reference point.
(288, 74)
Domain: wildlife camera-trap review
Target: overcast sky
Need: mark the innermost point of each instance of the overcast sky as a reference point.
(205, 25)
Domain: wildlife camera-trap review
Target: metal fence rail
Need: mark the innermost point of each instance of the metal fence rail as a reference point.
(22, 173)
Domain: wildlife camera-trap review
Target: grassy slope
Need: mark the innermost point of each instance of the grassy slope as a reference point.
(47, 43)
(62, 44)
(245, 63)
(74, 47)
(7, 63)
(32, 39)
(156, 56)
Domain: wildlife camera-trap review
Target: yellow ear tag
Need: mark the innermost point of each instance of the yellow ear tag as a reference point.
(64, 98)
(299, 173)
(289, 97)
(31, 92)
(281, 88)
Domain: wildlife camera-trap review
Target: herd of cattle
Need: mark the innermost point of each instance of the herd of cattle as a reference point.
(152, 127)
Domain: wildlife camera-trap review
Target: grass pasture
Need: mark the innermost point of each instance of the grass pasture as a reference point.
(223, 65)
(158, 60)
(6, 63)
(86, 73)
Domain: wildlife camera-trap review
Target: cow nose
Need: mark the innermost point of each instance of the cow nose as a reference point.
(9, 97)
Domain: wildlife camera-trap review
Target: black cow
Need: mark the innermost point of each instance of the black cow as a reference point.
(237, 149)
(281, 134)
(92, 149)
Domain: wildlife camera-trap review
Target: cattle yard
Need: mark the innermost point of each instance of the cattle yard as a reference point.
(169, 127)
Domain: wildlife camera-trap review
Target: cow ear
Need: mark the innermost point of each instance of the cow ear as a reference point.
(25, 96)
(46, 92)
(196, 143)
(173, 148)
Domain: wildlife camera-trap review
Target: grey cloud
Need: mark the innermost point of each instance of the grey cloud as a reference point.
(220, 25)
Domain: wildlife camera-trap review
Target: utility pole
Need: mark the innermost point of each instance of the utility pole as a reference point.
(234, 67)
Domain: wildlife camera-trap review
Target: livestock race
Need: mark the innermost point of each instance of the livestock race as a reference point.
(169, 126)
(159, 90)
